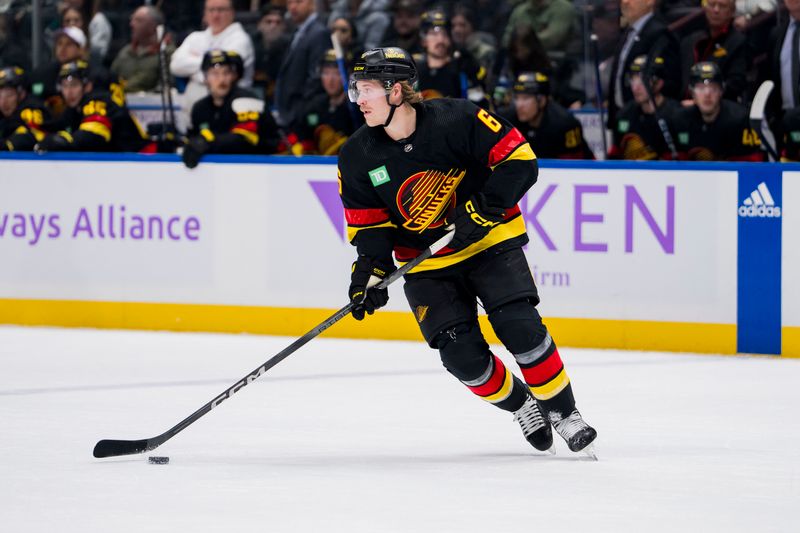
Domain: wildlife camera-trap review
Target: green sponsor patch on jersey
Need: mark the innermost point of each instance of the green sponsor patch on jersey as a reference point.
(379, 176)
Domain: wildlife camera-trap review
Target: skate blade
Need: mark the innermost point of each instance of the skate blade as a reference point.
(589, 452)
(551, 450)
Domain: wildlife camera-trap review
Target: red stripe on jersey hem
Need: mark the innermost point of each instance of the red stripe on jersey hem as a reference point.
(507, 144)
(366, 217)
(250, 126)
(99, 118)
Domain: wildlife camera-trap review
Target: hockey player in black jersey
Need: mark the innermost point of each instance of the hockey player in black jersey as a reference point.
(637, 135)
(550, 129)
(230, 120)
(412, 171)
(93, 121)
(714, 129)
(21, 116)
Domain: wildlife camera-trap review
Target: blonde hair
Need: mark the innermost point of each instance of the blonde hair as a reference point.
(409, 94)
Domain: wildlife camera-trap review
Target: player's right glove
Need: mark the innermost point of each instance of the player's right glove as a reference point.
(368, 300)
(473, 220)
(53, 143)
(195, 148)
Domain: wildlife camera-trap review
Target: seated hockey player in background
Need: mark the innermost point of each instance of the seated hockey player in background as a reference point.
(790, 151)
(637, 134)
(21, 116)
(230, 120)
(93, 121)
(418, 168)
(551, 130)
(329, 119)
(714, 129)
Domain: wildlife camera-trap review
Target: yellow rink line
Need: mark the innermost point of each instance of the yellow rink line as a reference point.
(579, 332)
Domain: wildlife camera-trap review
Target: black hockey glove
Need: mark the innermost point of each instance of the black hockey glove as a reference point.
(195, 148)
(368, 300)
(52, 143)
(473, 220)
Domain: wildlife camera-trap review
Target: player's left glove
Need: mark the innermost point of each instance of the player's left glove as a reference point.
(195, 148)
(473, 220)
(368, 300)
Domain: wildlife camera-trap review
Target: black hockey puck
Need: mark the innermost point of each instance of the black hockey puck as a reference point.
(158, 460)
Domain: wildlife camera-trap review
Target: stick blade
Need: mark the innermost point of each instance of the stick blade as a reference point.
(760, 100)
(113, 448)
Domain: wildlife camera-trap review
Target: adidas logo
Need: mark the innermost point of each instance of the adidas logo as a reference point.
(760, 204)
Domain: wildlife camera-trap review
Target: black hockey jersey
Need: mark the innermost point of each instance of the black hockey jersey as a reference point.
(326, 127)
(229, 131)
(24, 128)
(728, 138)
(559, 135)
(398, 194)
(97, 124)
(637, 135)
(462, 77)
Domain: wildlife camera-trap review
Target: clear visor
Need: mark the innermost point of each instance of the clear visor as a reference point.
(363, 90)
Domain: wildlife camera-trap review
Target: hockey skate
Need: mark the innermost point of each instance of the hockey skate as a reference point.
(534, 425)
(578, 434)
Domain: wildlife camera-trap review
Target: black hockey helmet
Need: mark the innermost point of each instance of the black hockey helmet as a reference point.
(389, 65)
(13, 77)
(214, 58)
(74, 69)
(535, 83)
(644, 65)
(705, 72)
(435, 18)
(328, 59)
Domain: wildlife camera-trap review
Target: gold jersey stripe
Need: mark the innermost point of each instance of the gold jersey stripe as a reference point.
(505, 390)
(249, 136)
(352, 231)
(97, 128)
(547, 391)
(523, 152)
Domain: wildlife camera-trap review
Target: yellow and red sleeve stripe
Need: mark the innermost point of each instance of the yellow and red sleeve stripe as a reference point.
(497, 386)
(512, 146)
(547, 377)
(361, 219)
(248, 130)
(97, 124)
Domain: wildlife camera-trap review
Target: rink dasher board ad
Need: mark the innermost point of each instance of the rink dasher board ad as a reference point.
(631, 255)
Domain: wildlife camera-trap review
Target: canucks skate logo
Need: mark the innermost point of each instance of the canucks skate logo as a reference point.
(760, 204)
(423, 197)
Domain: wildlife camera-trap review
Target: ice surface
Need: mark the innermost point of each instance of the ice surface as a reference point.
(376, 436)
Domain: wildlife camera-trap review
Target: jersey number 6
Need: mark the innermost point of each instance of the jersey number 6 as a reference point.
(489, 121)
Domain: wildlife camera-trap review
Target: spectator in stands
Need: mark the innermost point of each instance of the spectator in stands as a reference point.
(482, 46)
(553, 21)
(645, 33)
(637, 134)
(229, 120)
(99, 27)
(404, 32)
(720, 42)
(70, 45)
(714, 129)
(11, 53)
(551, 130)
(93, 121)
(222, 33)
(271, 43)
(298, 78)
(524, 54)
(137, 64)
(21, 116)
(371, 18)
(346, 32)
(329, 119)
(443, 71)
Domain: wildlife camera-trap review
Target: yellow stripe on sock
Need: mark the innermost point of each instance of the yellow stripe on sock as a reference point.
(504, 392)
(549, 390)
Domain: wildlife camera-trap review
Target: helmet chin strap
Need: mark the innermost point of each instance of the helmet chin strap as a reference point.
(391, 111)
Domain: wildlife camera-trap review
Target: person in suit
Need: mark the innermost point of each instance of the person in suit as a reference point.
(783, 67)
(645, 34)
(299, 72)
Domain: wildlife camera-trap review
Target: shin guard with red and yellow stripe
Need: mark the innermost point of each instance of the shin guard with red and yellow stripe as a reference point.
(498, 386)
(545, 375)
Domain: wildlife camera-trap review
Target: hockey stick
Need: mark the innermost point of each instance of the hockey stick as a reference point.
(758, 123)
(662, 124)
(112, 448)
(167, 127)
(339, 52)
(598, 93)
